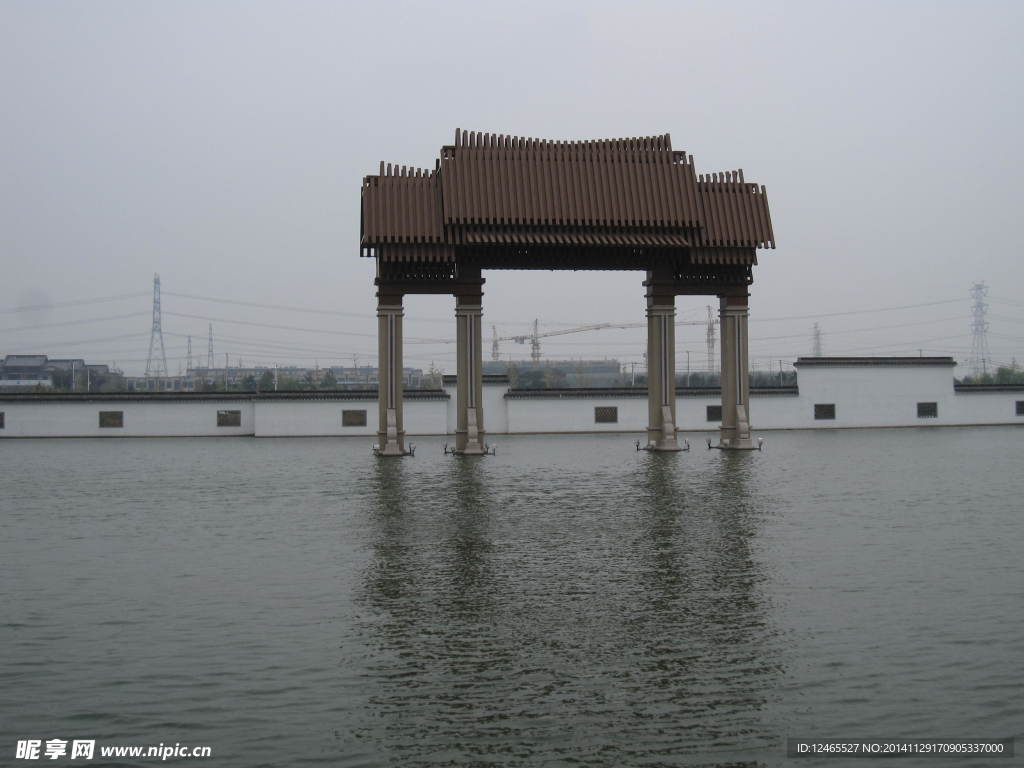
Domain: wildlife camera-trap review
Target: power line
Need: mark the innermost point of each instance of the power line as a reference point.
(1004, 336)
(260, 305)
(362, 315)
(862, 330)
(908, 344)
(428, 341)
(804, 335)
(73, 322)
(1001, 300)
(304, 310)
(41, 344)
(286, 346)
(855, 311)
(77, 303)
(408, 339)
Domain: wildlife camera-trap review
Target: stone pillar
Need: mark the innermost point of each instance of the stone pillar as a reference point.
(469, 432)
(661, 368)
(390, 430)
(735, 430)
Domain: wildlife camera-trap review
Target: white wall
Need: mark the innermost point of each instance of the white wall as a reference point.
(495, 409)
(864, 396)
(877, 396)
(425, 417)
(779, 411)
(494, 404)
(775, 411)
(141, 418)
(451, 412)
(987, 407)
(307, 418)
(574, 414)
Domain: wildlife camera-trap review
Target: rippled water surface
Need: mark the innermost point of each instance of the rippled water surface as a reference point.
(568, 601)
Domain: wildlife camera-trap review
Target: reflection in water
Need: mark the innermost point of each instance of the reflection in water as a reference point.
(388, 573)
(510, 610)
(467, 546)
(738, 579)
(663, 511)
(568, 601)
(437, 642)
(706, 628)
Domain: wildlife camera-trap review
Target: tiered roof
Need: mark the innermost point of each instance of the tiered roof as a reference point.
(495, 190)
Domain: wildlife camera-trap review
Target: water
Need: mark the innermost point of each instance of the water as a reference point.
(567, 602)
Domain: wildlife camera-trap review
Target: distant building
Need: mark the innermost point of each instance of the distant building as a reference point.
(559, 373)
(199, 379)
(24, 371)
(21, 372)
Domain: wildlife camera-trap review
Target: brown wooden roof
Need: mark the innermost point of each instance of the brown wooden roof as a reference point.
(495, 190)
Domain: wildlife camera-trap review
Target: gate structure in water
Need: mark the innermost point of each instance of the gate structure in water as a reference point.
(507, 202)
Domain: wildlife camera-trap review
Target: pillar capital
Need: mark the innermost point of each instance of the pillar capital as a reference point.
(660, 285)
(467, 304)
(735, 312)
(389, 294)
(661, 310)
(734, 306)
(734, 300)
(469, 286)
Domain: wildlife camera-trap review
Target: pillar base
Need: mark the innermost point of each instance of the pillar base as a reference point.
(737, 444)
(663, 446)
(475, 450)
(721, 447)
(389, 448)
(392, 440)
(391, 452)
(663, 438)
(655, 448)
(469, 441)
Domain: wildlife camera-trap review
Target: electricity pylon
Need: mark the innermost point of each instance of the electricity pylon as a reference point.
(980, 356)
(158, 367)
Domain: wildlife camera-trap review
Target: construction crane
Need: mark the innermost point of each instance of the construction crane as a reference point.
(535, 336)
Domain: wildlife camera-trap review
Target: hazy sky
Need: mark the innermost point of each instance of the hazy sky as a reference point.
(222, 144)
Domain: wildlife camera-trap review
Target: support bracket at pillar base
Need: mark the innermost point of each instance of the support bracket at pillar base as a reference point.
(486, 450)
(660, 447)
(737, 445)
(392, 451)
(666, 434)
(471, 443)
